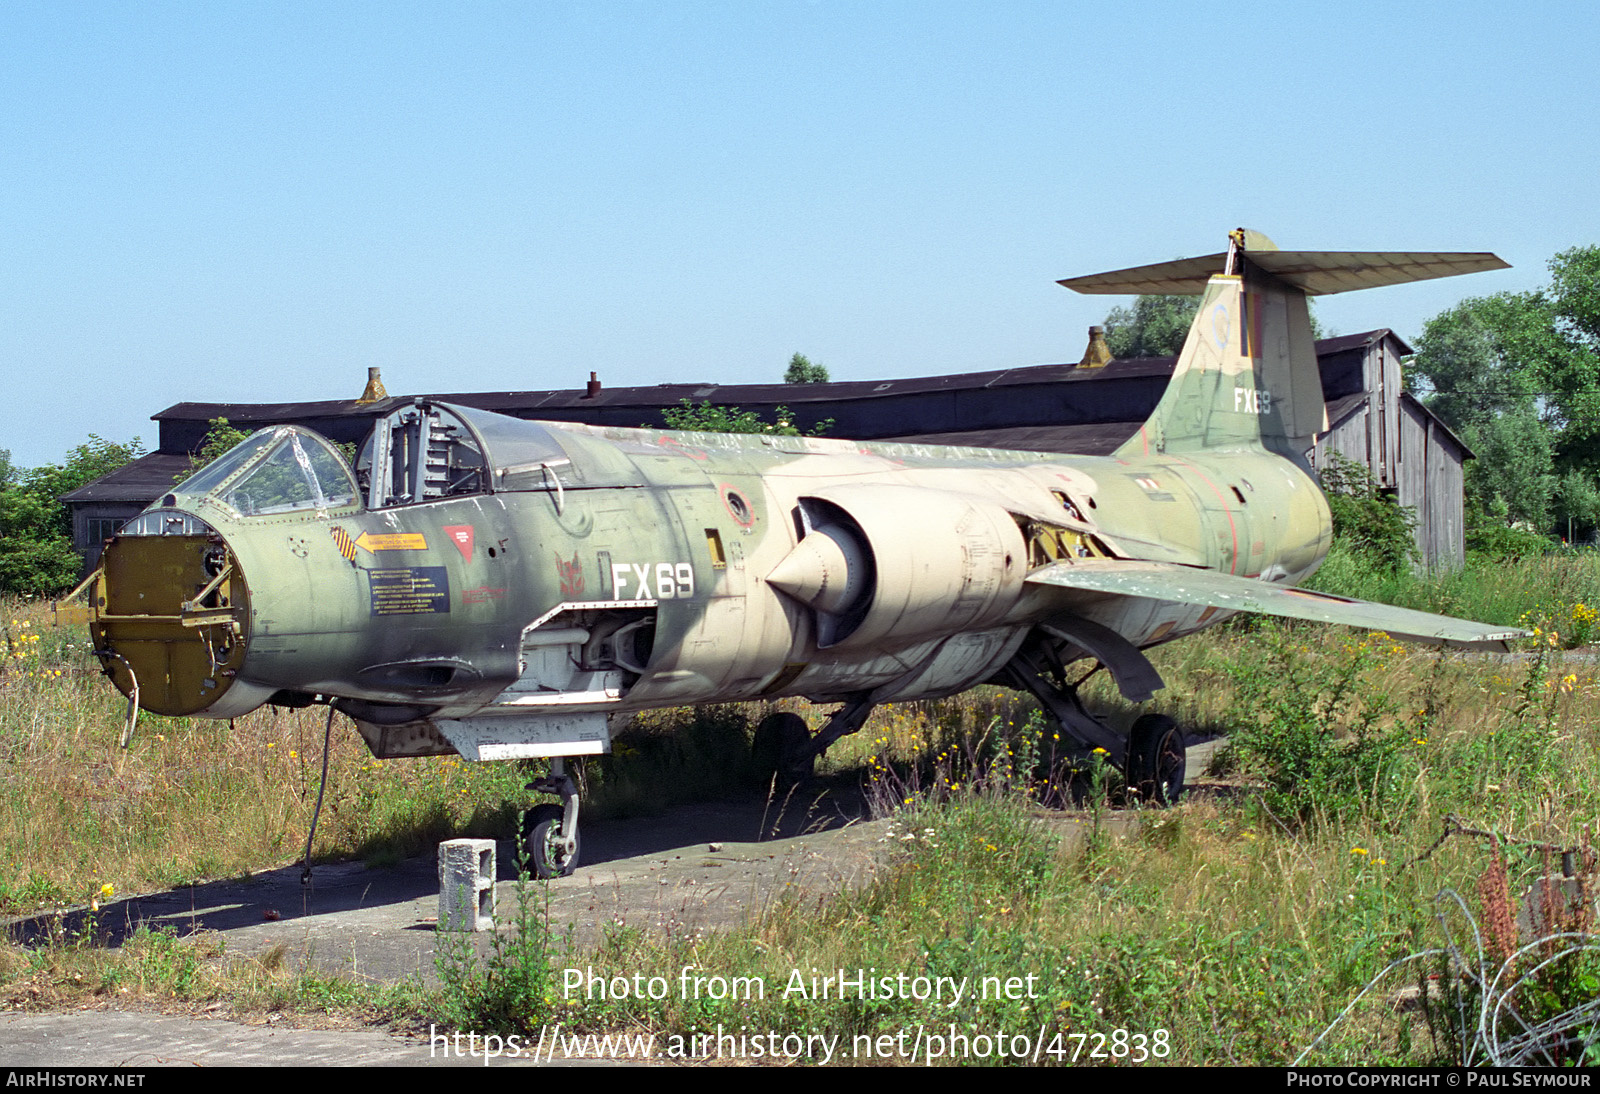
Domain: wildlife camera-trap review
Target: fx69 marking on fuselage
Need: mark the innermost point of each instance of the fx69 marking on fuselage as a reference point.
(673, 580)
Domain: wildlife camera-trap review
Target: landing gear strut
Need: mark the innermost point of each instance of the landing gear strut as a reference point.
(1152, 754)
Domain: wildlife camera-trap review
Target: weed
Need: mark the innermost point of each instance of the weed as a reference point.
(513, 989)
(1320, 729)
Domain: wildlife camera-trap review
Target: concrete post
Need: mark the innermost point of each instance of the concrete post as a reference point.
(466, 885)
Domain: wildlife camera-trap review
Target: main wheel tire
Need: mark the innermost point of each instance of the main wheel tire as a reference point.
(1157, 760)
(541, 842)
(781, 747)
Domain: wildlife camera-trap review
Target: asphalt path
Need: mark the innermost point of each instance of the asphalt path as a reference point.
(698, 868)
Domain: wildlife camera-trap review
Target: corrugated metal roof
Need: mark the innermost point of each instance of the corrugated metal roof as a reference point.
(524, 403)
(141, 481)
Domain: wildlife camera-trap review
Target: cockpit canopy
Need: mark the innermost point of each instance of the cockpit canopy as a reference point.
(280, 469)
(418, 453)
(428, 451)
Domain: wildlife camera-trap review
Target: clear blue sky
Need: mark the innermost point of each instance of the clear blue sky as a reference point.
(255, 202)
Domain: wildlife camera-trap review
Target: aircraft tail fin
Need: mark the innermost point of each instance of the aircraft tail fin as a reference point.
(1247, 375)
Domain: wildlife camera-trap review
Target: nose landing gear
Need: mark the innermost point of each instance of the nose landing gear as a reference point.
(549, 838)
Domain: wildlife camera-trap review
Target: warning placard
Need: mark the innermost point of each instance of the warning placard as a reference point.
(414, 590)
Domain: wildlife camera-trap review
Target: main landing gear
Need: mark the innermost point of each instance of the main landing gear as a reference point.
(784, 749)
(1152, 754)
(1156, 761)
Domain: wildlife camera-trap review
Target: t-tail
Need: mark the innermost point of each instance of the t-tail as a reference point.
(1247, 380)
(1247, 376)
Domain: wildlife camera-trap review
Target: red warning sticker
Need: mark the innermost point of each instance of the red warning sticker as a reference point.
(461, 536)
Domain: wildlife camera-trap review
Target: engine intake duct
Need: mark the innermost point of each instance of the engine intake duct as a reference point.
(880, 560)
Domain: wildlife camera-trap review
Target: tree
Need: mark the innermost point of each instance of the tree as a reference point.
(1517, 376)
(1576, 505)
(1155, 326)
(707, 418)
(36, 551)
(802, 371)
(1514, 471)
(220, 437)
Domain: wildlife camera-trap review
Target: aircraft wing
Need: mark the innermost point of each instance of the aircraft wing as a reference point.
(1191, 585)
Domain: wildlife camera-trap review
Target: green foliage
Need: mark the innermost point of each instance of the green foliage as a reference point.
(1155, 326)
(1517, 375)
(706, 418)
(802, 370)
(1316, 728)
(1577, 507)
(159, 962)
(36, 552)
(219, 439)
(1365, 519)
(1514, 472)
(971, 848)
(1491, 535)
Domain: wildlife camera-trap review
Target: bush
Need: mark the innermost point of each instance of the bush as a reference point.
(1493, 536)
(36, 552)
(1368, 520)
(707, 418)
(1317, 728)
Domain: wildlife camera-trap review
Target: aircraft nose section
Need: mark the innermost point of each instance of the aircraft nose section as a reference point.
(170, 616)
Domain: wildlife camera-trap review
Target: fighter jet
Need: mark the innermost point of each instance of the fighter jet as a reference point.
(497, 588)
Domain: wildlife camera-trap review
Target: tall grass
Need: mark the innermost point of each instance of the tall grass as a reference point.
(1239, 925)
(194, 798)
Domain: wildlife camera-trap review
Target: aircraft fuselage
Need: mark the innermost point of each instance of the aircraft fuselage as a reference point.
(487, 603)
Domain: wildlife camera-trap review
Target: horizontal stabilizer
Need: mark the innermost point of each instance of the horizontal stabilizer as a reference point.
(1190, 585)
(1316, 273)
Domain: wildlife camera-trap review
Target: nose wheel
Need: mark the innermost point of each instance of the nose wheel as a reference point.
(549, 852)
(549, 836)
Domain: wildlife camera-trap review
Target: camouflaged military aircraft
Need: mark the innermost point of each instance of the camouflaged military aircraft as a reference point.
(499, 588)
